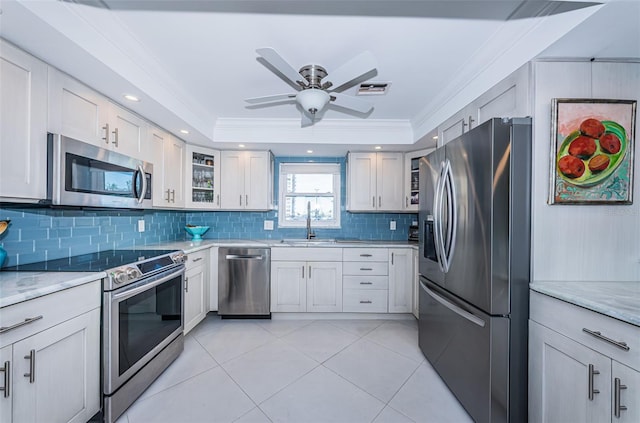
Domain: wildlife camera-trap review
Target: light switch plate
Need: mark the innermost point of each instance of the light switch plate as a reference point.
(140, 225)
(392, 225)
(268, 225)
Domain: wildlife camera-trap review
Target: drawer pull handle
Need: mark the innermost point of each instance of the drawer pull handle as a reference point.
(366, 268)
(32, 366)
(366, 255)
(620, 344)
(365, 302)
(7, 379)
(617, 407)
(4, 329)
(366, 283)
(590, 387)
(197, 259)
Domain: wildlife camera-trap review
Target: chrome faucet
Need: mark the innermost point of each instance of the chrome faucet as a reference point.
(310, 233)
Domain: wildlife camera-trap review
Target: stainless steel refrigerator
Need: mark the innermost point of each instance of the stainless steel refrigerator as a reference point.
(474, 267)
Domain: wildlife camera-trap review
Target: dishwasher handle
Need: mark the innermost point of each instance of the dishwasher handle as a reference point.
(244, 257)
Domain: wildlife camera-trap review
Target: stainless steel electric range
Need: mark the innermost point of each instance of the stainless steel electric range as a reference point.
(142, 317)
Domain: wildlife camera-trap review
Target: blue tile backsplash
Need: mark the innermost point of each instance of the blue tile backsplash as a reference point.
(41, 234)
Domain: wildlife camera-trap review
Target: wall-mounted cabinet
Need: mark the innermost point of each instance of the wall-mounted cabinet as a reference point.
(374, 181)
(168, 169)
(202, 189)
(79, 112)
(23, 125)
(509, 98)
(247, 180)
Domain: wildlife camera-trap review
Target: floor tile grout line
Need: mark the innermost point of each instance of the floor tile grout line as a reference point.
(286, 386)
(397, 352)
(356, 334)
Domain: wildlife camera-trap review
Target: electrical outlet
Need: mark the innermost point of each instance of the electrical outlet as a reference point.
(140, 225)
(392, 225)
(268, 225)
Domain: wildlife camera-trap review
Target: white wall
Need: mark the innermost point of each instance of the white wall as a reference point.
(582, 242)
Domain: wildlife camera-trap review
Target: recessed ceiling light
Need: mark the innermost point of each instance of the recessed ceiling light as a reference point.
(131, 97)
(377, 147)
(241, 145)
(309, 151)
(435, 137)
(184, 131)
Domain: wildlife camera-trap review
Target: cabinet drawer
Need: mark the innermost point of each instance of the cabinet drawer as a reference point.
(365, 254)
(365, 282)
(365, 268)
(365, 300)
(570, 320)
(197, 258)
(54, 308)
(306, 254)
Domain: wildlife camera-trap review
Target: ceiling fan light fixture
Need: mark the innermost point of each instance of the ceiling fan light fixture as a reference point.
(313, 100)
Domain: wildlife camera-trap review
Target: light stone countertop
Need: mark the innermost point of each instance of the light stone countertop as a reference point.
(16, 287)
(620, 300)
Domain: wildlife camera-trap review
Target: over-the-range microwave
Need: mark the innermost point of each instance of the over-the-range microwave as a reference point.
(81, 174)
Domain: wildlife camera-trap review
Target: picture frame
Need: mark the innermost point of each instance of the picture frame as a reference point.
(592, 151)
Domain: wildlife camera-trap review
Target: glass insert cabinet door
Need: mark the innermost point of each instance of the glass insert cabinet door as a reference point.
(203, 179)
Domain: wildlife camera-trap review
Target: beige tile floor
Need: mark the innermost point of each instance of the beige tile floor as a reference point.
(299, 371)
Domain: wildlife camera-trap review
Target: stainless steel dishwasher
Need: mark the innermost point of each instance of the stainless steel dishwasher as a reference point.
(244, 279)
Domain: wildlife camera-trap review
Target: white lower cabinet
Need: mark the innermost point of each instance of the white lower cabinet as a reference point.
(306, 279)
(51, 367)
(577, 376)
(400, 280)
(196, 286)
(366, 280)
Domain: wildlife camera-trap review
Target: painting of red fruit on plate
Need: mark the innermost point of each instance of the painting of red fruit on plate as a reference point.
(592, 151)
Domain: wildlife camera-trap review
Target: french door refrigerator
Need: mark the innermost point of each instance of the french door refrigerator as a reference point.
(474, 267)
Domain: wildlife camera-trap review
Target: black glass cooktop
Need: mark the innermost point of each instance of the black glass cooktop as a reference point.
(92, 262)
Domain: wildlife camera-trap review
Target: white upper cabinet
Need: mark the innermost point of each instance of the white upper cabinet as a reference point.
(168, 169)
(247, 180)
(23, 125)
(202, 182)
(374, 182)
(508, 98)
(79, 112)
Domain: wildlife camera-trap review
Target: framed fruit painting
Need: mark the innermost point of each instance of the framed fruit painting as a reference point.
(592, 146)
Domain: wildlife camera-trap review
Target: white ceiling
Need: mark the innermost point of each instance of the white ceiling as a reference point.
(194, 62)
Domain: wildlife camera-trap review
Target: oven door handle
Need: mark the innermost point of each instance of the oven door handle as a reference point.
(141, 288)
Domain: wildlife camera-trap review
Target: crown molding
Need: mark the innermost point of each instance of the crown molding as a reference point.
(326, 131)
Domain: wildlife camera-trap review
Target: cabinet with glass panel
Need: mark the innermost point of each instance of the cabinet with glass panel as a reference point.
(203, 178)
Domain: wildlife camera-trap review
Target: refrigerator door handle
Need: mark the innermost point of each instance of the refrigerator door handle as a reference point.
(451, 306)
(437, 218)
(449, 188)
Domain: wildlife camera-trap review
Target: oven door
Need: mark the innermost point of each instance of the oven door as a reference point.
(139, 321)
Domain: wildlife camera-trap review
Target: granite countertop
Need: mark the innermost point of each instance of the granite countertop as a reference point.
(16, 287)
(620, 300)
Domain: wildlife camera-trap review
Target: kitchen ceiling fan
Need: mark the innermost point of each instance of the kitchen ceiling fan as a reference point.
(314, 92)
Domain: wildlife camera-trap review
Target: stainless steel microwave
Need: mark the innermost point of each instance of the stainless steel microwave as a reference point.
(81, 174)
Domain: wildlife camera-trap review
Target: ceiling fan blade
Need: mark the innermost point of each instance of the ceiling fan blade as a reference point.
(268, 98)
(350, 102)
(271, 56)
(358, 66)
